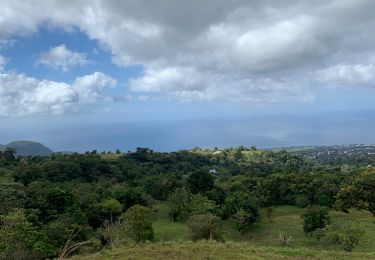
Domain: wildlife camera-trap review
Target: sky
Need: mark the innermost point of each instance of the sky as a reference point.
(169, 75)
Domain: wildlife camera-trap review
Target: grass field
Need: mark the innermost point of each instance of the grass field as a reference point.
(285, 218)
(171, 240)
(215, 250)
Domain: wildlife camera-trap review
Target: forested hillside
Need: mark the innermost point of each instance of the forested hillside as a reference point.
(63, 205)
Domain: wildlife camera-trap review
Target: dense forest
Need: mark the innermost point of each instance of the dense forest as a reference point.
(62, 205)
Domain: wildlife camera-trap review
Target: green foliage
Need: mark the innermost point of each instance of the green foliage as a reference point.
(8, 154)
(314, 217)
(242, 208)
(347, 236)
(111, 207)
(220, 251)
(243, 220)
(204, 226)
(200, 181)
(241, 200)
(202, 205)
(360, 193)
(61, 193)
(11, 196)
(5, 175)
(138, 224)
(216, 194)
(51, 200)
(180, 202)
(19, 235)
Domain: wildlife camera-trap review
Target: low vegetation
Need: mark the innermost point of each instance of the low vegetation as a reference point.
(218, 250)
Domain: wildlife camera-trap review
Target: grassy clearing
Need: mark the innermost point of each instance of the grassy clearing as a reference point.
(172, 240)
(215, 250)
(111, 156)
(165, 230)
(285, 218)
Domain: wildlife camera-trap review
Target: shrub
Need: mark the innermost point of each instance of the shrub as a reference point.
(241, 200)
(19, 238)
(201, 205)
(284, 239)
(244, 221)
(113, 234)
(111, 207)
(138, 224)
(314, 217)
(179, 203)
(348, 237)
(301, 201)
(205, 226)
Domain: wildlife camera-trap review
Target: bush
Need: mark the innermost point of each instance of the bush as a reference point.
(243, 220)
(202, 205)
(179, 203)
(241, 200)
(314, 217)
(242, 208)
(138, 224)
(113, 234)
(348, 237)
(205, 226)
(284, 239)
(19, 238)
(111, 207)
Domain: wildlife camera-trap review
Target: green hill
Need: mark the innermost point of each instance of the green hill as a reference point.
(27, 148)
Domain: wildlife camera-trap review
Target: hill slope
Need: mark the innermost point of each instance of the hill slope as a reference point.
(27, 148)
(216, 250)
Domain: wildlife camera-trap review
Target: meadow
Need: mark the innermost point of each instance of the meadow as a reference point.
(265, 233)
(172, 242)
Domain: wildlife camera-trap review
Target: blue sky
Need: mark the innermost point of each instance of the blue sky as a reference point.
(121, 74)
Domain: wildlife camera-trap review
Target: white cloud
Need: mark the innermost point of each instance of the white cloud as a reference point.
(348, 74)
(60, 57)
(188, 84)
(249, 50)
(21, 95)
(90, 87)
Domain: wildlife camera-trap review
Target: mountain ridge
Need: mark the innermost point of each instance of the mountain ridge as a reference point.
(28, 148)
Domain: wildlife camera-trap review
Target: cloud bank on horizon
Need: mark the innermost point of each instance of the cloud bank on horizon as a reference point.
(233, 51)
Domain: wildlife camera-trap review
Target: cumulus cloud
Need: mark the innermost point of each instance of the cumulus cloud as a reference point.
(61, 58)
(21, 95)
(248, 50)
(188, 84)
(90, 87)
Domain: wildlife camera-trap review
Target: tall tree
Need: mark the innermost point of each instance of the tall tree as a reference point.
(360, 193)
(200, 181)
